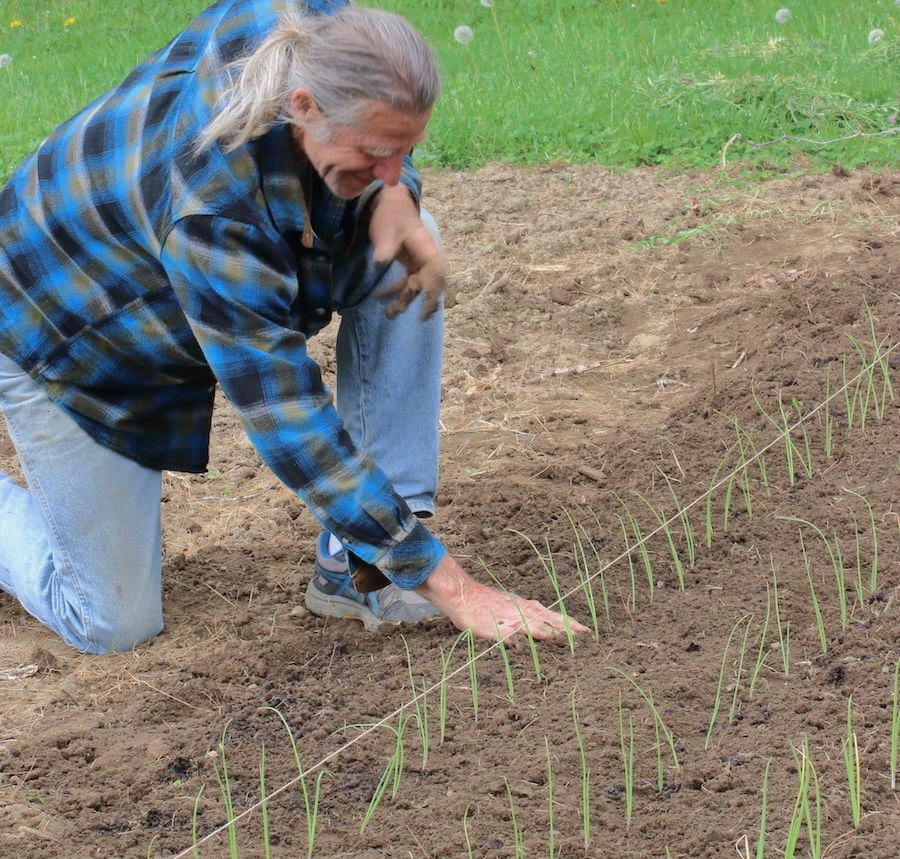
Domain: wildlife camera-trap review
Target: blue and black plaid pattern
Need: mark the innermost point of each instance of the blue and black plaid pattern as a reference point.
(136, 274)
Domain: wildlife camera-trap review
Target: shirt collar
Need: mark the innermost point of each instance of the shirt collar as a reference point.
(281, 173)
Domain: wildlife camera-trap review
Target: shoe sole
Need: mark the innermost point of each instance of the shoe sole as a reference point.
(333, 605)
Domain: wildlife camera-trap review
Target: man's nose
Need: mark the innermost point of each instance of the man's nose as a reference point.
(388, 170)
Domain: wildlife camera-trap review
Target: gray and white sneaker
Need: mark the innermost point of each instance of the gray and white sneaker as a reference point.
(331, 594)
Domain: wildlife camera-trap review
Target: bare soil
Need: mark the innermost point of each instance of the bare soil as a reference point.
(612, 338)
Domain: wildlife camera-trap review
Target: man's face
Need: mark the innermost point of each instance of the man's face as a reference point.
(350, 159)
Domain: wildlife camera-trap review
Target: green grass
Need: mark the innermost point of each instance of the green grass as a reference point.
(628, 83)
(59, 64)
(683, 83)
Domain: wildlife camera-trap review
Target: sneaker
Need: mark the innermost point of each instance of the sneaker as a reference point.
(331, 594)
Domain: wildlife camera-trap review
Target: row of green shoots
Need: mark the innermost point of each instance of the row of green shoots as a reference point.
(744, 469)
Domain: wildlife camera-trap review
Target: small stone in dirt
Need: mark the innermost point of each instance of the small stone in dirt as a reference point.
(299, 611)
(613, 791)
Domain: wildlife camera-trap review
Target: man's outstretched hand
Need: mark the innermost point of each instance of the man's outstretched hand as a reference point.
(397, 233)
(491, 613)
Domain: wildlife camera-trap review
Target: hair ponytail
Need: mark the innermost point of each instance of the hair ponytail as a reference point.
(346, 61)
(256, 99)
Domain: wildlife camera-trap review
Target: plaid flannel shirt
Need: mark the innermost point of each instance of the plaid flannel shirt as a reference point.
(135, 274)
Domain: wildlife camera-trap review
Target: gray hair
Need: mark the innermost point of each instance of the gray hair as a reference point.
(346, 61)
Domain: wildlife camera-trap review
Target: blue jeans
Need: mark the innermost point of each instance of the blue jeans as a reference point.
(81, 547)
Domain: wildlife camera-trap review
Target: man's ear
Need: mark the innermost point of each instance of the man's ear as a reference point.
(303, 106)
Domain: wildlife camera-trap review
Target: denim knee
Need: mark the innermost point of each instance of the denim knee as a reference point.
(109, 635)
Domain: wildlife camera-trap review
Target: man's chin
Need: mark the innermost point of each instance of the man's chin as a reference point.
(347, 188)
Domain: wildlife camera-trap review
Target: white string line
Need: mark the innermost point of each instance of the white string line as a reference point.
(880, 358)
(369, 729)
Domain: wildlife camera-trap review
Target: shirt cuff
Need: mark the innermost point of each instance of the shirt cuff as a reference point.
(408, 563)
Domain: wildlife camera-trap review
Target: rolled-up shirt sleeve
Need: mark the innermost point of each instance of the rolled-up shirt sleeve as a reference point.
(238, 286)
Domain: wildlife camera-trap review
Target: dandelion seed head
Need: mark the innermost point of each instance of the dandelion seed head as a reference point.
(488, 3)
(463, 34)
(782, 16)
(875, 36)
(5, 60)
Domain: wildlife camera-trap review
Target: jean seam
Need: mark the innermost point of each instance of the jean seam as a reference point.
(58, 551)
(362, 382)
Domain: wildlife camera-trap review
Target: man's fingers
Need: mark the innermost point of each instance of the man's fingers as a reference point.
(432, 292)
(425, 281)
(399, 296)
(538, 622)
(424, 262)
